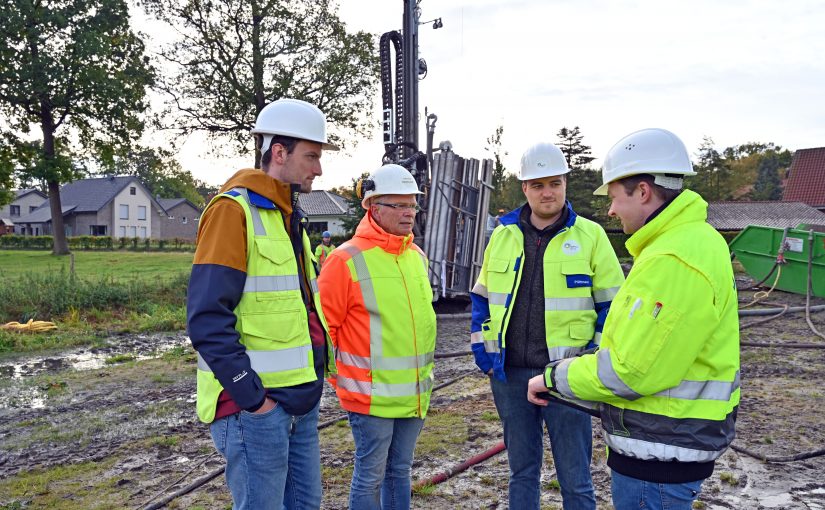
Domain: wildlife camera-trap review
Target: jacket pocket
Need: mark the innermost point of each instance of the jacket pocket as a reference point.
(281, 326)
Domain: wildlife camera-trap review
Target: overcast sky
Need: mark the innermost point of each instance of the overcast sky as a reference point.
(734, 70)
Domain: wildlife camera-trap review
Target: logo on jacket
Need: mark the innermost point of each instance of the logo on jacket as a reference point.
(570, 247)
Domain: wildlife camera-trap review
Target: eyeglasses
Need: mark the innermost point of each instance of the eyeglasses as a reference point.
(402, 207)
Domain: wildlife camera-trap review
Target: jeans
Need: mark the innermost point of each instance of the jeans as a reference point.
(383, 457)
(571, 441)
(633, 494)
(273, 461)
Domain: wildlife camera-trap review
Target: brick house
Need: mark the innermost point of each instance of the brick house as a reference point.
(117, 206)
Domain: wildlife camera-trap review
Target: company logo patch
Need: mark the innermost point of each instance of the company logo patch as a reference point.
(570, 247)
(239, 376)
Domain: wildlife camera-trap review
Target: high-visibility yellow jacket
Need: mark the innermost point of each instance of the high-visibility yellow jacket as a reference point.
(581, 276)
(322, 252)
(271, 315)
(377, 299)
(667, 372)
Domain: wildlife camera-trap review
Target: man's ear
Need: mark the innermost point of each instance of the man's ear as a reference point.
(646, 192)
(278, 154)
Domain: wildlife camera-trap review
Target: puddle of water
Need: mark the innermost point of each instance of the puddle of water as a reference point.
(140, 346)
(20, 396)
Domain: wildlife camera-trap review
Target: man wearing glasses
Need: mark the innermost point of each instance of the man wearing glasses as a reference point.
(543, 293)
(377, 299)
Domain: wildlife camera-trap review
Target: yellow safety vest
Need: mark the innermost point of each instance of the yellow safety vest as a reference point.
(271, 315)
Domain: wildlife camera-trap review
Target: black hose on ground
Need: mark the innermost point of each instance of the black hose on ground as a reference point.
(778, 458)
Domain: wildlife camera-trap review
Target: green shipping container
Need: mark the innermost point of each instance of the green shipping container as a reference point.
(757, 247)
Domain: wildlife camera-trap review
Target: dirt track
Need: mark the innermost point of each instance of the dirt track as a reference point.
(128, 431)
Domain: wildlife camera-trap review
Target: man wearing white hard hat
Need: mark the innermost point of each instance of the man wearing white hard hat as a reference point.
(666, 377)
(376, 296)
(545, 286)
(255, 319)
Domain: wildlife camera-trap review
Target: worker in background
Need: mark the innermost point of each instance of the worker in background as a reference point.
(501, 212)
(376, 296)
(255, 319)
(667, 372)
(545, 286)
(323, 250)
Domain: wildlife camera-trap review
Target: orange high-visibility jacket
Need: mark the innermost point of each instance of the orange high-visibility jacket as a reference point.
(377, 300)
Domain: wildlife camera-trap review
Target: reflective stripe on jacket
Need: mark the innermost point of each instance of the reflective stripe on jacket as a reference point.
(581, 277)
(667, 372)
(377, 299)
(271, 315)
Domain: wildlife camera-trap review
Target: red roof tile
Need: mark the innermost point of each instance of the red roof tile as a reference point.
(806, 179)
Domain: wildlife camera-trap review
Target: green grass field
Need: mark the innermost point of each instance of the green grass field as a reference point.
(110, 292)
(115, 264)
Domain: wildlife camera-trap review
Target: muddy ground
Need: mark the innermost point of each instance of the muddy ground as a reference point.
(86, 434)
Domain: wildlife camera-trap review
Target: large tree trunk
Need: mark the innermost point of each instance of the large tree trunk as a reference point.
(61, 245)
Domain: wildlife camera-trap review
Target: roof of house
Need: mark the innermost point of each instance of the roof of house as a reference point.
(7, 222)
(23, 192)
(323, 203)
(806, 177)
(84, 195)
(738, 215)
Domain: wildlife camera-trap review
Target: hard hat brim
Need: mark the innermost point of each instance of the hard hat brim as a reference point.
(602, 190)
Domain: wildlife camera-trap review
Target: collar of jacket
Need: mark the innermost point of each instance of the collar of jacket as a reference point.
(370, 230)
(687, 207)
(512, 217)
(268, 188)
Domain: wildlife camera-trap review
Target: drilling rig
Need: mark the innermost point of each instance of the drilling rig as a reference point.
(452, 225)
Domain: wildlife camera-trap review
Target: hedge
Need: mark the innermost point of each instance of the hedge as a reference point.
(85, 243)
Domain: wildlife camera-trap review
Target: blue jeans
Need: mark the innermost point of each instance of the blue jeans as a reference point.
(383, 457)
(273, 461)
(633, 494)
(571, 441)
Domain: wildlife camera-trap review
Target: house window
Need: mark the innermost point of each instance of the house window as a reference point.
(97, 230)
(32, 208)
(185, 220)
(15, 210)
(124, 211)
(141, 212)
(132, 190)
(316, 227)
(133, 231)
(143, 232)
(122, 231)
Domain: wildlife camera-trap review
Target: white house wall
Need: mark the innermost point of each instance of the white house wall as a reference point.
(140, 198)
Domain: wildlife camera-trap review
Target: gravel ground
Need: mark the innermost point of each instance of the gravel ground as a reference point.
(128, 431)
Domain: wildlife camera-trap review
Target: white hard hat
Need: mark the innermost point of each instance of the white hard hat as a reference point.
(295, 118)
(650, 151)
(542, 160)
(390, 179)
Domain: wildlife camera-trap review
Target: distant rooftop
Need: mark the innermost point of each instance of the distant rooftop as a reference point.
(806, 177)
(323, 203)
(738, 215)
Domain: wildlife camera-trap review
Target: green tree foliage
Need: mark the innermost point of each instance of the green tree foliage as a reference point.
(236, 56)
(74, 71)
(713, 173)
(162, 175)
(348, 192)
(768, 185)
(499, 176)
(733, 173)
(570, 143)
(582, 179)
